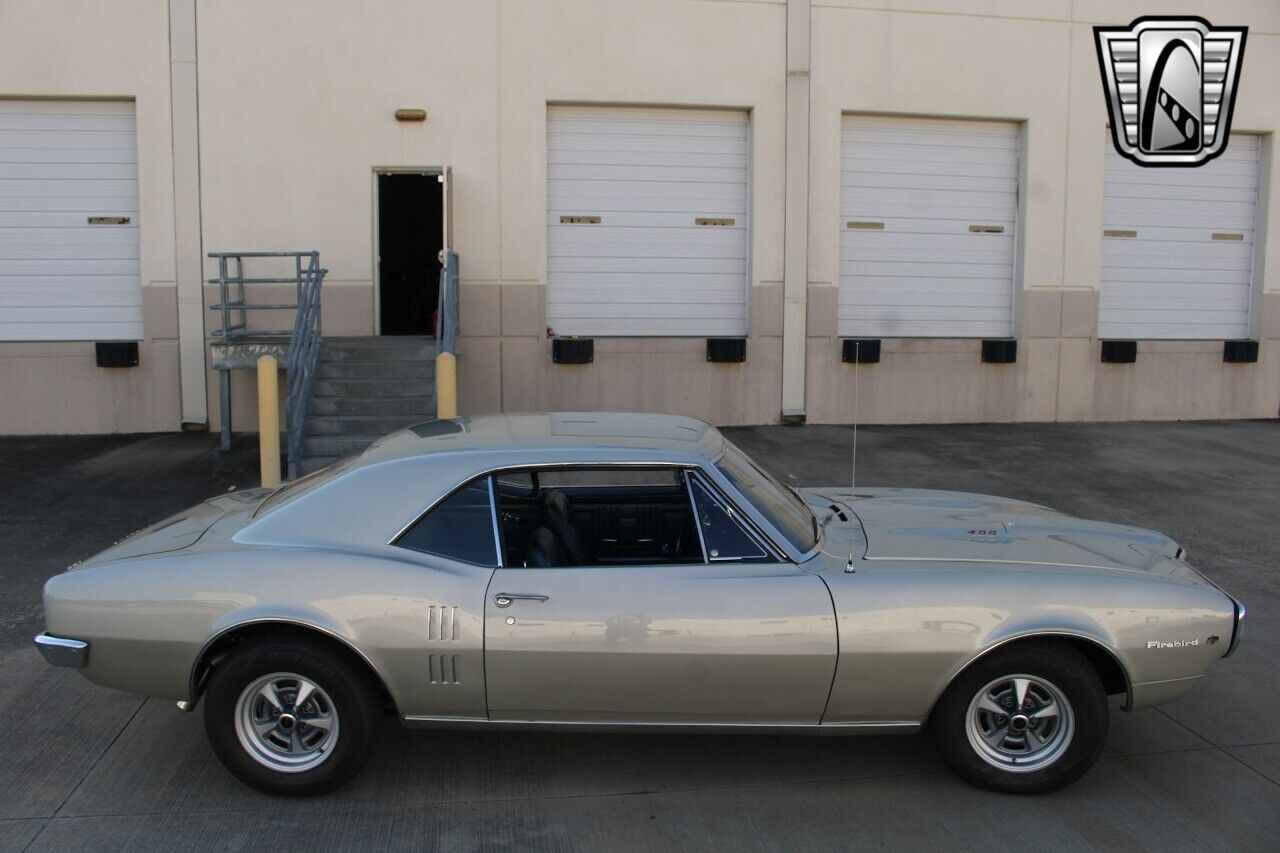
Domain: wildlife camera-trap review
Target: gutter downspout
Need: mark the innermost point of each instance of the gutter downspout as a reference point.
(187, 237)
(795, 265)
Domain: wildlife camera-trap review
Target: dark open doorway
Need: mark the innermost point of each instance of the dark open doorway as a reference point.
(410, 236)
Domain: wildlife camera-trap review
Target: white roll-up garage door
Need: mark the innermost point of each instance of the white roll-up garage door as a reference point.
(928, 213)
(69, 221)
(1177, 247)
(647, 227)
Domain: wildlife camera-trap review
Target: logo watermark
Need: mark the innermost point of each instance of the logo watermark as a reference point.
(1170, 84)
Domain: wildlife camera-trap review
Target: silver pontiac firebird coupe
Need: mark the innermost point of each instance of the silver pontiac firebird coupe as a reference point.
(636, 572)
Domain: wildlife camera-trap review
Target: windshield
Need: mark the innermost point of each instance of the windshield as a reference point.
(782, 507)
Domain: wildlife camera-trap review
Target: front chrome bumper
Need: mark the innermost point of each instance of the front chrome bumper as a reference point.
(62, 651)
(1237, 629)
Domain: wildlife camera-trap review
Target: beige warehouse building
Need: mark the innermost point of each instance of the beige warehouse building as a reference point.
(645, 175)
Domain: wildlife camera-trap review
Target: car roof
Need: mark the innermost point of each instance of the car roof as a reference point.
(680, 438)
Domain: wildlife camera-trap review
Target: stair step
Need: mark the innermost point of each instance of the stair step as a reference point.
(376, 370)
(383, 387)
(389, 348)
(253, 306)
(418, 354)
(423, 407)
(390, 343)
(383, 341)
(365, 388)
(360, 424)
(336, 445)
(240, 336)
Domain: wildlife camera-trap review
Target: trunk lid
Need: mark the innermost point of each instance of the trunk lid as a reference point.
(177, 531)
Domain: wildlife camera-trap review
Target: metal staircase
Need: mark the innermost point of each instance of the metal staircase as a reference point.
(237, 347)
(343, 393)
(366, 388)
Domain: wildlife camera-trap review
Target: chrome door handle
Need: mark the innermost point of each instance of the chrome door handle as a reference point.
(504, 599)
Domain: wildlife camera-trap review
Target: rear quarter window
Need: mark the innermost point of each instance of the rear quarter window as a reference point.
(460, 527)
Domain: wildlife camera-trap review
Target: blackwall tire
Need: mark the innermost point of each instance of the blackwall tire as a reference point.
(291, 718)
(1028, 719)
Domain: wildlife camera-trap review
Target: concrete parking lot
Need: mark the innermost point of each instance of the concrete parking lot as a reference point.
(84, 767)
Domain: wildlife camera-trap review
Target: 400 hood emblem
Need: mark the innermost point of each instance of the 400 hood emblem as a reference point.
(1170, 85)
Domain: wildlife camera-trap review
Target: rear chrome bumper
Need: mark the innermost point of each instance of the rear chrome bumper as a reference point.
(62, 651)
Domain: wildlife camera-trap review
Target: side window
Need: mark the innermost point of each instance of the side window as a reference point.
(616, 478)
(722, 535)
(596, 516)
(460, 527)
(516, 483)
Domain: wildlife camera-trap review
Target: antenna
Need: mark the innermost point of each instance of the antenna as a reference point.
(853, 467)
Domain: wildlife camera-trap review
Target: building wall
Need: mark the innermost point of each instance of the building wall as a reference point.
(486, 88)
(68, 49)
(296, 104)
(667, 53)
(1035, 64)
(484, 72)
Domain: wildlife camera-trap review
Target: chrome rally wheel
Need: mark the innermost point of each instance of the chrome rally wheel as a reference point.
(1020, 723)
(290, 713)
(1024, 719)
(286, 723)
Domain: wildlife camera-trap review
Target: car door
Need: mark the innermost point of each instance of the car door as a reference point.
(740, 637)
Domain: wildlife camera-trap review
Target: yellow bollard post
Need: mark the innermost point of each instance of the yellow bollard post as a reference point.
(269, 420)
(446, 385)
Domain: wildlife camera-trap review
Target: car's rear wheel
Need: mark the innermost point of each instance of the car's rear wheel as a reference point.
(1027, 719)
(290, 717)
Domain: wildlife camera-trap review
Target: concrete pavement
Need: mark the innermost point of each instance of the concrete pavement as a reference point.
(82, 767)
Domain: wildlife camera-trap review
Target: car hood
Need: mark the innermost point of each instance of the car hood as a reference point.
(918, 524)
(178, 531)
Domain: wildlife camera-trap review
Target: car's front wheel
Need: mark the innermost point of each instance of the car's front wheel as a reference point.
(290, 717)
(1027, 719)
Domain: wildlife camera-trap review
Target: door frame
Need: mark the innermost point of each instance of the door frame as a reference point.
(376, 255)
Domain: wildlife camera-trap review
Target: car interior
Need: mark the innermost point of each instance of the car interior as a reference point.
(585, 517)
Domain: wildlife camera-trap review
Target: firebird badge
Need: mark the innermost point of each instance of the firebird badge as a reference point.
(1171, 85)
(1171, 644)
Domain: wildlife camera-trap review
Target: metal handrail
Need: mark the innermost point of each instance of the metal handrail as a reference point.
(447, 303)
(233, 303)
(303, 356)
